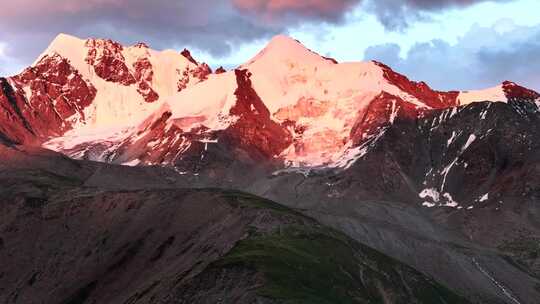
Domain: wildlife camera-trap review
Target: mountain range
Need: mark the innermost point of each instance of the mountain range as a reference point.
(132, 175)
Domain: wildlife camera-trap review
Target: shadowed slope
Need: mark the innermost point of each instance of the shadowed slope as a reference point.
(63, 242)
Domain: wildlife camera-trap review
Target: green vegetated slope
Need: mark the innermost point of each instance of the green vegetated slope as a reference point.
(302, 261)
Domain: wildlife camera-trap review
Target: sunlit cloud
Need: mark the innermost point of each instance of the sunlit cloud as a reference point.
(2, 49)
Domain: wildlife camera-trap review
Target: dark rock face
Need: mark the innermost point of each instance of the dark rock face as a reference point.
(199, 73)
(420, 90)
(186, 53)
(334, 61)
(66, 239)
(141, 45)
(16, 128)
(202, 71)
(42, 101)
(254, 130)
(382, 111)
(516, 92)
(108, 62)
(144, 75)
(220, 70)
(464, 150)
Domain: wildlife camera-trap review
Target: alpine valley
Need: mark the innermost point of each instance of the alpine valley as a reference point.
(130, 175)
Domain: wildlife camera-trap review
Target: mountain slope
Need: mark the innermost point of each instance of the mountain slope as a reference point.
(64, 242)
(43, 101)
(453, 192)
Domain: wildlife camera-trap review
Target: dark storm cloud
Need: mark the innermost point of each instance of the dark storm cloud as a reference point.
(520, 63)
(478, 60)
(290, 11)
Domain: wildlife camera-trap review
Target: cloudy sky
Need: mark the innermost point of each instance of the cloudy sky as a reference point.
(451, 44)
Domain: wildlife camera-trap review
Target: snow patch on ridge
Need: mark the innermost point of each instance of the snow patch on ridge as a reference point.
(451, 139)
(470, 140)
(210, 101)
(87, 135)
(491, 94)
(132, 163)
(434, 198)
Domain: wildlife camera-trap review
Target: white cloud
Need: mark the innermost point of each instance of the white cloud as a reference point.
(2, 49)
(482, 57)
(8, 64)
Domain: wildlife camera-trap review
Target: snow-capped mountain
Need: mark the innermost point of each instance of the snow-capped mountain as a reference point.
(446, 182)
(93, 84)
(134, 105)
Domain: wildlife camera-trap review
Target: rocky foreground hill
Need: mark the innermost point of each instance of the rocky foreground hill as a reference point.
(67, 239)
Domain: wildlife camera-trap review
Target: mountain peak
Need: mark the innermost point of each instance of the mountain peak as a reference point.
(63, 37)
(60, 44)
(284, 49)
(186, 53)
(141, 45)
(513, 90)
(283, 41)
